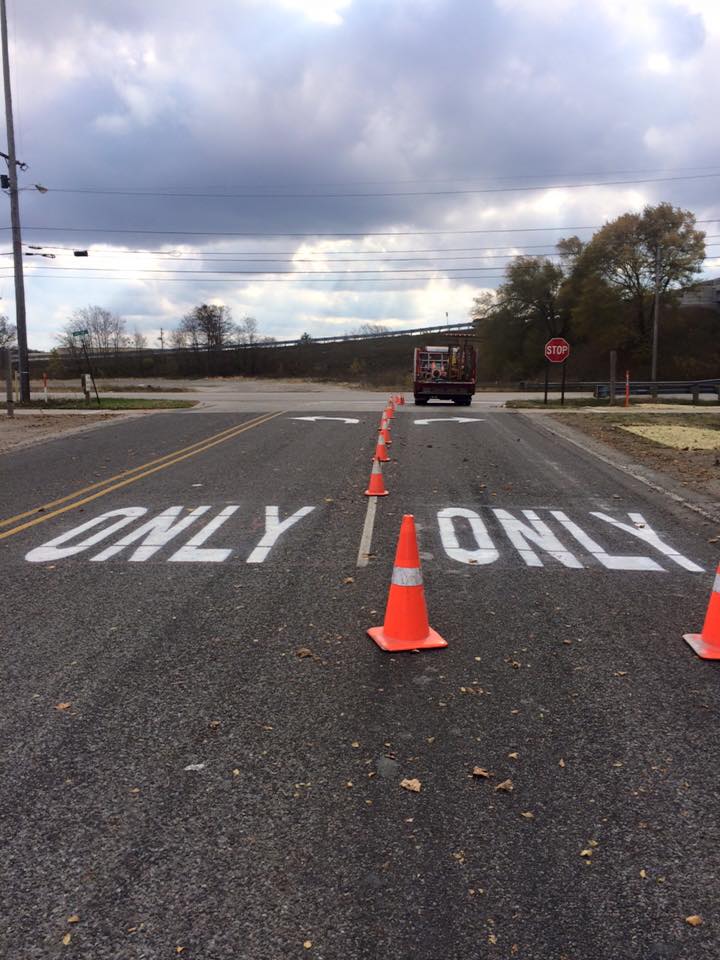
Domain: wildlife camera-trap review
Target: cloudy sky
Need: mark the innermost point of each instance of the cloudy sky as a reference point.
(320, 164)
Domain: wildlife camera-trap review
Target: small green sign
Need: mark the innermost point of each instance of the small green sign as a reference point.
(81, 333)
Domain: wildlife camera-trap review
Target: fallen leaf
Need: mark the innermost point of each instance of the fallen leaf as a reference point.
(413, 785)
(528, 814)
(179, 949)
(63, 706)
(194, 767)
(492, 938)
(236, 772)
(214, 724)
(515, 664)
(349, 580)
(643, 874)
(586, 853)
(303, 652)
(67, 938)
(561, 762)
(620, 673)
(714, 540)
(481, 772)
(73, 918)
(135, 790)
(506, 786)
(593, 843)
(513, 756)
(694, 920)
(355, 744)
(307, 944)
(349, 784)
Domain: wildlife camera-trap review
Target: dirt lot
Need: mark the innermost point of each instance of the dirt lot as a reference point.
(23, 429)
(695, 468)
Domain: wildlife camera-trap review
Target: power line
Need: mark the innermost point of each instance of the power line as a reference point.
(365, 195)
(707, 168)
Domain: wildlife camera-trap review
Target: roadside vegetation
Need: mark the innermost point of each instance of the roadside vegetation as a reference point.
(106, 403)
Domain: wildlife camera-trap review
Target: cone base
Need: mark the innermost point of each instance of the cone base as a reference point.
(702, 648)
(369, 493)
(431, 642)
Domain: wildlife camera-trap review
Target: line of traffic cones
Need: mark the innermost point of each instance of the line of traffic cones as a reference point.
(406, 625)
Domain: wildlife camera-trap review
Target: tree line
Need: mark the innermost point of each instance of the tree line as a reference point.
(205, 327)
(598, 294)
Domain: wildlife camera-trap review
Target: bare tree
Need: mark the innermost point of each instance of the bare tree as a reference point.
(139, 339)
(7, 332)
(247, 330)
(106, 330)
(369, 329)
(209, 326)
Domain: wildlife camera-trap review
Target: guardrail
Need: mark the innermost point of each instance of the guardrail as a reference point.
(644, 388)
(270, 344)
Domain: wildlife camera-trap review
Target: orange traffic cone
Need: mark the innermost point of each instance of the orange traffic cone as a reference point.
(389, 411)
(377, 485)
(381, 453)
(385, 431)
(707, 643)
(406, 624)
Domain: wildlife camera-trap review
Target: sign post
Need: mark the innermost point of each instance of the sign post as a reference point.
(82, 334)
(557, 350)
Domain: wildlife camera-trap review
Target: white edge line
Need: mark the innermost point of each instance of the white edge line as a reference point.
(696, 508)
(363, 557)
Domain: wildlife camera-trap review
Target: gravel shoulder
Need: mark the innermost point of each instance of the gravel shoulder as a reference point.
(25, 429)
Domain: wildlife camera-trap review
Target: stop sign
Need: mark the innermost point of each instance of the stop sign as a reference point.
(557, 350)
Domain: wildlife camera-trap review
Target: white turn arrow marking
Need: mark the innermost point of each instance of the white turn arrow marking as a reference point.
(450, 420)
(313, 419)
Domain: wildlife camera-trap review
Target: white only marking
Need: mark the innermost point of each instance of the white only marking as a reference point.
(363, 557)
(538, 532)
(157, 532)
(193, 552)
(645, 533)
(484, 552)
(274, 529)
(594, 548)
(422, 423)
(313, 419)
(52, 550)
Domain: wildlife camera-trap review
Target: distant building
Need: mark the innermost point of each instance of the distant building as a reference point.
(706, 293)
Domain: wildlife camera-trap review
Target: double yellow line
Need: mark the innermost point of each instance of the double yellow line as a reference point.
(103, 487)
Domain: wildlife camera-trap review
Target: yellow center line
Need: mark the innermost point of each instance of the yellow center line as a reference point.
(146, 473)
(126, 473)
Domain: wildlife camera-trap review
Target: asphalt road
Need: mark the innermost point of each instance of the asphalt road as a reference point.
(202, 750)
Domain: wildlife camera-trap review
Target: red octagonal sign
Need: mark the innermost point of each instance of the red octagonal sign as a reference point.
(557, 350)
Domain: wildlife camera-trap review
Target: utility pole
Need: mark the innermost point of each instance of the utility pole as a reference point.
(656, 324)
(23, 366)
(162, 339)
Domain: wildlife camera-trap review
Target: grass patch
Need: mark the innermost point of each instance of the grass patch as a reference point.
(577, 402)
(106, 403)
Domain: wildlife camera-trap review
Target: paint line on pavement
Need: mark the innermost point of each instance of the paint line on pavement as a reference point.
(126, 473)
(139, 476)
(363, 557)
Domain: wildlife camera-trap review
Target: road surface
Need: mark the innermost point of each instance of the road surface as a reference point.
(203, 750)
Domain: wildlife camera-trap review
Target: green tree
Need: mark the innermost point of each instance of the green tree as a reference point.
(636, 251)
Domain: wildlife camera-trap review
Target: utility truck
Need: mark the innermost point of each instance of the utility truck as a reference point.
(446, 372)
